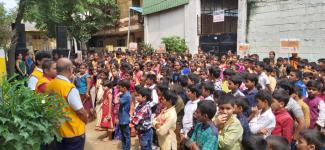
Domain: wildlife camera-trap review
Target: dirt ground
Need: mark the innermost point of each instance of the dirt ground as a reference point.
(93, 140)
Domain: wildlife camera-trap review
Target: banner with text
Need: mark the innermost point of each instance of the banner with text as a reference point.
(219, 16)
(289, 45)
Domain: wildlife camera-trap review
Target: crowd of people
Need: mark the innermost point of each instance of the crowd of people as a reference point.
(184, 101)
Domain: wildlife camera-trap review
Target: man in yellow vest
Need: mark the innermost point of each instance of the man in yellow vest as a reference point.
(73, 130)
(38, 72)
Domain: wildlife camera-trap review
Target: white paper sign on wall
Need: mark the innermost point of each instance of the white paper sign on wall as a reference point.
(219, 16)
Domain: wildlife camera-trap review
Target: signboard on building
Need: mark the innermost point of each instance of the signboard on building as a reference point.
(219, 16)
(289, 45)
(243, 47)
(133, 46)
(161, 49)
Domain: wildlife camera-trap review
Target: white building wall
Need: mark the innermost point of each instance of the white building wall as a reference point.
(192, 11)
(273, 20)
(242, 24)
(180, 21)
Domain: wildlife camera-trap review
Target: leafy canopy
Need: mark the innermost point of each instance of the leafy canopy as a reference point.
(175, 44)
(6, 18)
(82, 17)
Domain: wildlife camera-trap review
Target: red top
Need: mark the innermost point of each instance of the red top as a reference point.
(284, 124)
(41, 88)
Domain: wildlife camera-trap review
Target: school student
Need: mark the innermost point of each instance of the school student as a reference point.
(124, 113)
(310, 139)
(141, 119)
(230, 129)
(284, 122)
(205, 134)
(263, 119)
(315, 103)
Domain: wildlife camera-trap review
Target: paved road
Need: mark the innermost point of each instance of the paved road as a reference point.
(93, 141)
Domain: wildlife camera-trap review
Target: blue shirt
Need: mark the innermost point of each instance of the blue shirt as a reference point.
(250, 95)
(244, 123)
(81, 83)
(124, 109)
(302, 88)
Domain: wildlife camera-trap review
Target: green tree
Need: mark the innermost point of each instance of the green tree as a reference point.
(82, 17)
(175, 44)
(6, 17)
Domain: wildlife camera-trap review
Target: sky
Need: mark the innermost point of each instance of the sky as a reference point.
(9, 3)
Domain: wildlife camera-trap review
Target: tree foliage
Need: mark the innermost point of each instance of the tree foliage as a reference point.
(6, 18)
(82, 17)
(175, 44)
(27, 119)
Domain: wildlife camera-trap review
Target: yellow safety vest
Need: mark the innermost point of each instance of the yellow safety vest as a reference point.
(74, 126)
(36, 73)
(41, 81)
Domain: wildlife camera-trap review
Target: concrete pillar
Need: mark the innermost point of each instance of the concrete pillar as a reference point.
(192, 11)
(146, 28)
(242, 24)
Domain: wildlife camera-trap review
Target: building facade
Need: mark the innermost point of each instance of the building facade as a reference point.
(264, 23)
(37, 40)
(116, 37)
(193, 21)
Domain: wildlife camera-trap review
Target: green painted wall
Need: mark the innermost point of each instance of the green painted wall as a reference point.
(153, 6)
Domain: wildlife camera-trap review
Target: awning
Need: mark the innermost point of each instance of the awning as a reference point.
(153, 6)
(137, 9)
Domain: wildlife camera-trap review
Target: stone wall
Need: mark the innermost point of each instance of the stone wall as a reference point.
(272, 20)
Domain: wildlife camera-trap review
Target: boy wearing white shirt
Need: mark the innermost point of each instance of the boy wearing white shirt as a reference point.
(262, 120)
(193, 94)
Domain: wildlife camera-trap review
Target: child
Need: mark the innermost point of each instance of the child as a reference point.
(141, 119)
(293, 107)
(207, 91)
(271, 74)
(277, 143)
(263, 79)
(304, 107)
(307, 77)
(284, 122)
(310, 140)
(250, 83)
(233, 85)
(205, 135)
(226, 74)
(165, 123)
(262, 120)
(193, 79)
(315, 103)
(151, 81)
(241, 107)
(230, 129)
(124, 113)
(138, 73)
(255, 143)
(193, 94)
(106, 118)
(83, 84)
(295, 78)
(214, 76)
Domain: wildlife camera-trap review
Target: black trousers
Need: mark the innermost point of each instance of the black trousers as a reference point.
(74, 143)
